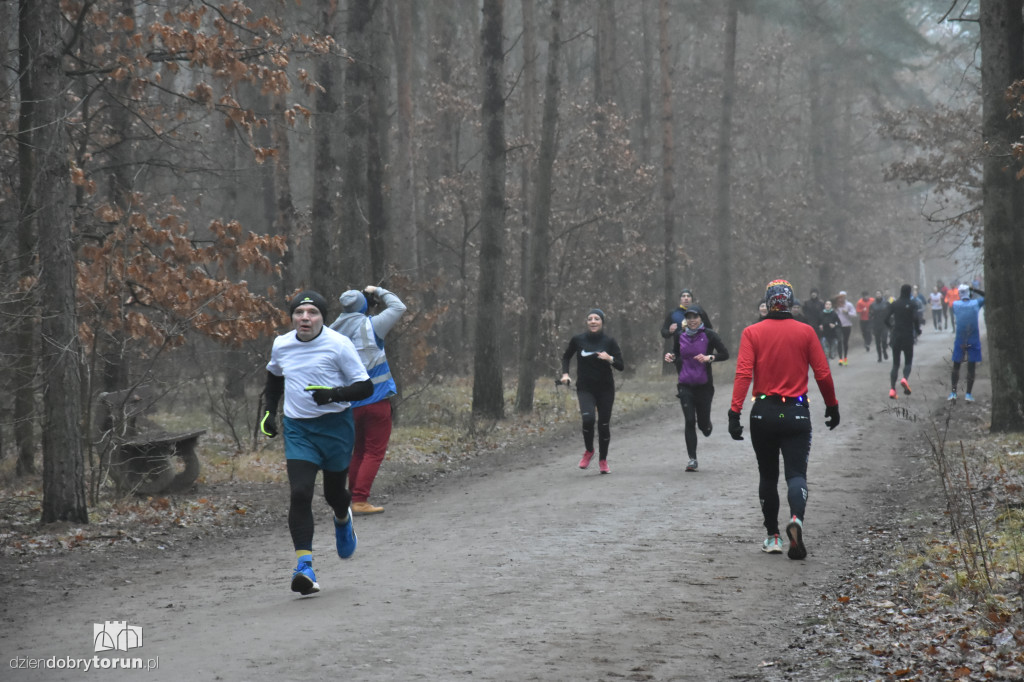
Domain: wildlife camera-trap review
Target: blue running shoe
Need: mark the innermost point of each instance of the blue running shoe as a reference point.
(345, 537)
(303, 579)
(968, 397)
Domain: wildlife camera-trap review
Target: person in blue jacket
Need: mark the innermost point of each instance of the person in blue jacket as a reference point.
(967, 342)
(373, 416)
(674, 319)
(695, 347)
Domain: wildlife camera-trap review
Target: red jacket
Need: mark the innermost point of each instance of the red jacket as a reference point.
(775, 355)
(862, 308)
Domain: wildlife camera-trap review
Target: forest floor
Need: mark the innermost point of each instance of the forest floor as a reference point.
(506, 561)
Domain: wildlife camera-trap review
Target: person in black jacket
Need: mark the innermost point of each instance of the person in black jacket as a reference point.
(694, 349)
(813, 308)
(904, 323)
(830, 326)
(877, 312)
(596, 354)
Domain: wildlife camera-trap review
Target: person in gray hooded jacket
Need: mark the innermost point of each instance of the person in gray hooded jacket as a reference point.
(372, 415)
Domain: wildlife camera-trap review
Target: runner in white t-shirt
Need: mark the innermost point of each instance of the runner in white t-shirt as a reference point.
(318, 372)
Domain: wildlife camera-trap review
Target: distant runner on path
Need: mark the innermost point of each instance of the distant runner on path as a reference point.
(905, 326)
(967, 342)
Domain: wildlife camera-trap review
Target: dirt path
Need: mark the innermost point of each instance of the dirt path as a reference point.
(524, 568)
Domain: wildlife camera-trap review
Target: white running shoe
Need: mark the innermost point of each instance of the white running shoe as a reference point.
(772, 544)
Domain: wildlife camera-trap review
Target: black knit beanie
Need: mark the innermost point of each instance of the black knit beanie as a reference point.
(312, 297)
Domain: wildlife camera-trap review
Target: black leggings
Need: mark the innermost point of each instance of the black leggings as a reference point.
(596, 407)
(908, 355)
(785, 428)
(970, 375)
(865, 331)
(844, 341)
(302, 479)
(882, 342)
(696, 404)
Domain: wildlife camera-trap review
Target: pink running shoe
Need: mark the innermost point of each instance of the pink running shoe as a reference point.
(905, 385)
(603, 465)
(892, 394)
(585, 461)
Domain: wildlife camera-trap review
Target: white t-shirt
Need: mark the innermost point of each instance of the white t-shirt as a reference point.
(328, 360)
(936, 300)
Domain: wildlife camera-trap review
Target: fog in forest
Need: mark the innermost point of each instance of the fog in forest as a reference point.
(608, 154)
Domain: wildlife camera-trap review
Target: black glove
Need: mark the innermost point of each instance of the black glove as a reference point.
(832, 417)
(325, 394)
(735, 428)
(268, 425)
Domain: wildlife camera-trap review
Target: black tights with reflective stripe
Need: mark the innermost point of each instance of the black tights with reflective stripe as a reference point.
(781, 428)
(596, 407)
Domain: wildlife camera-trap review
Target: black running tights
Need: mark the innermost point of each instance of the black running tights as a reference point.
(596, 407)
(696, 403)
(844, 342)
(302, 480)
(781, 429)
(970, 375)
(908, 357)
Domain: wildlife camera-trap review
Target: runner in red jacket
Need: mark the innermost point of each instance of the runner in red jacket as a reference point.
(775, 355)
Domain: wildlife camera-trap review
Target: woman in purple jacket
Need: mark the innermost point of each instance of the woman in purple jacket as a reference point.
(694, 348)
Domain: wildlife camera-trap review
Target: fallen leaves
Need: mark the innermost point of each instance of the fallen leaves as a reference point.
(126, 522)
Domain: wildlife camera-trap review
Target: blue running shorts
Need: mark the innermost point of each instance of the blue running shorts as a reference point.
(326, 441)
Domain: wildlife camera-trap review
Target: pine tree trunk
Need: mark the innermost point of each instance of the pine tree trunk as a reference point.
(63, 465)
(23, 370)
(284, 206)
(405, 230)
(488, 400)
(668, 170)
(1002, 63)
(537, 274)
(527, 161)
(377, 152)
(327, 225)
(723, 207)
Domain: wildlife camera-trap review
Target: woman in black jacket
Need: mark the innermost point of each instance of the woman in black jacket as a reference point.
(905, 326)
(596, 354)
(877, 312)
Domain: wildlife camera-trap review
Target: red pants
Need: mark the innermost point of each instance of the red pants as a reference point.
(373, 431)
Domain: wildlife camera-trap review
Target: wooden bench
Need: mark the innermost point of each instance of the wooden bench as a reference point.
(142, 457)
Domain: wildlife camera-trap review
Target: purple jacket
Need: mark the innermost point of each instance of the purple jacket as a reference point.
(691, 371)
(704, 342)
